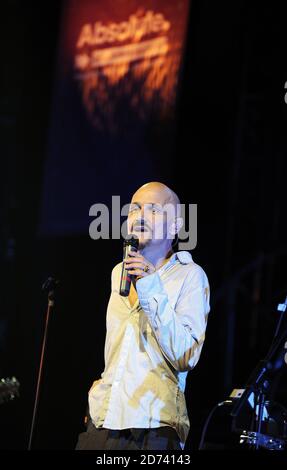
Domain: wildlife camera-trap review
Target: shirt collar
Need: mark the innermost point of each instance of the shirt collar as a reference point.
(184, 257)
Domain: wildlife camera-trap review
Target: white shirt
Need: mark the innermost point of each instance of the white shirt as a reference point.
(150, 348)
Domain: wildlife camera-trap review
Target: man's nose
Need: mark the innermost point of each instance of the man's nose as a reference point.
(140, 221)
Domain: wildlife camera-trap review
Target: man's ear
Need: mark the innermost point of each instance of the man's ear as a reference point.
(176, 226)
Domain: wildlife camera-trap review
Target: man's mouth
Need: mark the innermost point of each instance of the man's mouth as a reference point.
(140, 228)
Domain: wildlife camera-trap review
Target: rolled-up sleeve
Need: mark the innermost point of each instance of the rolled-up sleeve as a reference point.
(180, 330)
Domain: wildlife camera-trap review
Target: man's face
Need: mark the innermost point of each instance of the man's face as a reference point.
(147, 218)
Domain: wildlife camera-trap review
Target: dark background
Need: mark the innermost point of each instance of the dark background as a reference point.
(229, 158)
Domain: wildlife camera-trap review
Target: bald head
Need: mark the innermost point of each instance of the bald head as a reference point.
(158, 193)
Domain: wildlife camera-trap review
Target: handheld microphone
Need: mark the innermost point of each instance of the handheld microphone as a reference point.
(130, 244)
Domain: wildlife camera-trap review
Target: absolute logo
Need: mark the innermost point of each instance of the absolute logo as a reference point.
(153, 221)
(138, 26)
(127, 69)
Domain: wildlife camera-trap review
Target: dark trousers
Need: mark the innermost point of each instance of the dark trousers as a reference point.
(163, 438)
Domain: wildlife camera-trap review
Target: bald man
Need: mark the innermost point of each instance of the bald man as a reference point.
(154, 336)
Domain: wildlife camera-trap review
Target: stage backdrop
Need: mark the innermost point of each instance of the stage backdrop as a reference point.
(114, 105)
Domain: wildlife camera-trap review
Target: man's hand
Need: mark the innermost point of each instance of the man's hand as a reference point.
(138, 266)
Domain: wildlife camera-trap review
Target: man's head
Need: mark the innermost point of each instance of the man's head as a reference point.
(154, 215)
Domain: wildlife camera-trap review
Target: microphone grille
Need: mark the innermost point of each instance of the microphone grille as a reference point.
(132, 240)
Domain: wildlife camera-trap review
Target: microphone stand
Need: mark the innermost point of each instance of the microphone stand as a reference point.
(259, 380)
(49, 286)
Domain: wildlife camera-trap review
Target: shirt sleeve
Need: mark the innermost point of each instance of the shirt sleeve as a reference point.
(180, 331)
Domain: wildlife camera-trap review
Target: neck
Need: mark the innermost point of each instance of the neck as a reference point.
(157, 255)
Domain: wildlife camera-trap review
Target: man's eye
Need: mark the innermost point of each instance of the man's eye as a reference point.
(156, 210)
(133, 209)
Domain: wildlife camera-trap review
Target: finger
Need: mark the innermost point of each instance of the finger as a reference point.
(137, 272)
(134, 253)
(133, 260)
(135, 266)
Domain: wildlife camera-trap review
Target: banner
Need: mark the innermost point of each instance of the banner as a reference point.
(113, 114)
